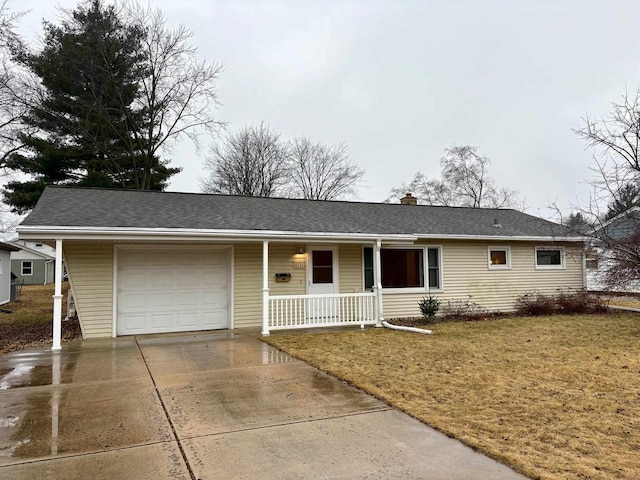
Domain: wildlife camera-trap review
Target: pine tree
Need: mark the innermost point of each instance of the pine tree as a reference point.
(90, 71)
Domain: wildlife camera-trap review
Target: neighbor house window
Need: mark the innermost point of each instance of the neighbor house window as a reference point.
(27, 267)
(404, 267)
(549, 258)
(499, 258)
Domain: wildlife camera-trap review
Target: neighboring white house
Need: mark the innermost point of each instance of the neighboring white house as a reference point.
(33, 263)
(5, 271)
(613, 241)
(151, 262)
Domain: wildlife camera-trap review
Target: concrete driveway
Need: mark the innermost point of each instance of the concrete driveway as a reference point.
(204, 406)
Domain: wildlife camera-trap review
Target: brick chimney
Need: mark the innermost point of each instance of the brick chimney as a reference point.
(408, 199)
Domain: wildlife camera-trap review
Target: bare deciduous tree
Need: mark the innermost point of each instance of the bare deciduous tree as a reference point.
(464, 182)
(321, 172)
(13, 94)
(615, 141)
(252, 161)
(16, 90)
(177, 93)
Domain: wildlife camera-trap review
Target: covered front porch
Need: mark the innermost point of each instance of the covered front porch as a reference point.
(323, 304)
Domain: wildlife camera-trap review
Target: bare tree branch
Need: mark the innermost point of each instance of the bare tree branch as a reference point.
(465, 182)
(615, 237)
(252, 161)
(321, 172)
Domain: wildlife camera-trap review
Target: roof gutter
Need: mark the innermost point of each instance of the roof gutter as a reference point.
(29, 232)
(502, 238)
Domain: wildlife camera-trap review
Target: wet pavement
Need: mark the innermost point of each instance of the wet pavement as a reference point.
(202, 406)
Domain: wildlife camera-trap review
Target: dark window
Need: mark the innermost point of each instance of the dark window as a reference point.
(549, 257)
(498, 257)
(27, 267)
(322, 266)
(368, 268)
(403, 268)
(434, 268)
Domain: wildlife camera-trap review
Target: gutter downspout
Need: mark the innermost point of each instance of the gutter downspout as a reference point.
(46, 271)
(405, 329)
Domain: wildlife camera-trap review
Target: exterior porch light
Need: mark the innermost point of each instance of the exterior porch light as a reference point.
(300, 251)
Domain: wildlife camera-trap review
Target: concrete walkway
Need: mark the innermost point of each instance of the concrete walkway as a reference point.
(204, 406)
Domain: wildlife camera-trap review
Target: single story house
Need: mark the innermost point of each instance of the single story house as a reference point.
(145, 262)
(33, 263)
(6, 250)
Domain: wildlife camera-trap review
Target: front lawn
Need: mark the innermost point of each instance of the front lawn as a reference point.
(553, 397)
(30, 321)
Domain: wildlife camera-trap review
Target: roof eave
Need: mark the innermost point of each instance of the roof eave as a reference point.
(32, 232)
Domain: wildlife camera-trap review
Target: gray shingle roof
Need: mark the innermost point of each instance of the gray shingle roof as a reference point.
(8, 247)
(89, 207)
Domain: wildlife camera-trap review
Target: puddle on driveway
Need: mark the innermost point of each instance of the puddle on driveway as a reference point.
(49, 421)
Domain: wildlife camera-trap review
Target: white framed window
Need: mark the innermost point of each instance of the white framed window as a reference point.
(405, 269)
(499, 258)
(26, 268)
(549, 258)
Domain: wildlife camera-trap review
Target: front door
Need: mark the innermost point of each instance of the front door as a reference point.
(323, 280)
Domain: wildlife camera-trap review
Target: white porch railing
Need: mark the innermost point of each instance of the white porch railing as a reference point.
(308, 311)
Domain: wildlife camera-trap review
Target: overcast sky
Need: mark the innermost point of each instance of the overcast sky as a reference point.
(400, 81)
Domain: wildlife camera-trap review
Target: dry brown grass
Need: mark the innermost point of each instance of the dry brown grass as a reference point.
(554, 397)
(30, 322)
(34, 306)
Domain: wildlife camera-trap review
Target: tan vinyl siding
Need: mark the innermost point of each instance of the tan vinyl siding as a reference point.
(248, 278)
(283, 259)
(350, 268)
(466, 276)
(247, 289)
(90, 268)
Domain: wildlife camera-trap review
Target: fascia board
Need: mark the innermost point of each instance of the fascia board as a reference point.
(29, 232)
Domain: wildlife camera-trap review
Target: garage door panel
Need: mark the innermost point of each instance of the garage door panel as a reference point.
(188, 319)
(215, 300)
(167, 291)
(134, 301)
(131, 279)
(214, 319)
(160, 301)
(163, 320)
(136, 322)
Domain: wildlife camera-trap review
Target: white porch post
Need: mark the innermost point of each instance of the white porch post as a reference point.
(57, 299)
(377, 282)
(265, 287)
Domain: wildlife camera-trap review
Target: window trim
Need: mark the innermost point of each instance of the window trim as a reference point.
(22, 264)
(562, 265)
(506, 249)
(425, 269)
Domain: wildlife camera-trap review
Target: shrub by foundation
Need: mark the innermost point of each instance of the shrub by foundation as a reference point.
(563, 302)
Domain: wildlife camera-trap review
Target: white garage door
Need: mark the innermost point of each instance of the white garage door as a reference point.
(172, 291)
